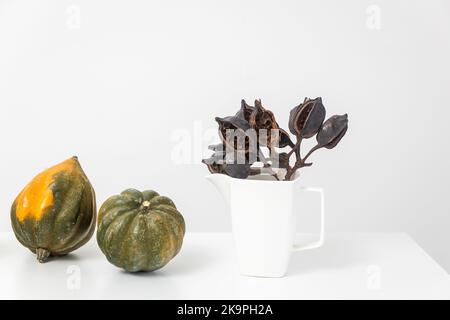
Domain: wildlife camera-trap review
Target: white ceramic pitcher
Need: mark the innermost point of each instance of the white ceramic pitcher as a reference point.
(263, 222)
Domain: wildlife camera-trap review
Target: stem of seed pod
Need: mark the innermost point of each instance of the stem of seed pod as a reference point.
(289, 154)
(269, 168)
(311, 152)
(295, 149)
(301, 163)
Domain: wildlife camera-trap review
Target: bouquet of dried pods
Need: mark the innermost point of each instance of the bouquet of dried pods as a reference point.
(253, 130)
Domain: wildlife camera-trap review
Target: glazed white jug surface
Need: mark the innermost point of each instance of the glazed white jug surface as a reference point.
(263, 222)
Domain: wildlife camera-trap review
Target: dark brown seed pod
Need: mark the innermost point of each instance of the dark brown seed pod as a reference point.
(237, 125)
(263, 119)
(285, 140)
(235, 155)
(245, 112)
(230, 163)
(239, 171)
(306, 119)
(233, 123)
(217, 147)
(332, 131)
(213, 167)
(215, 163)
(280, 160)
(284, 160)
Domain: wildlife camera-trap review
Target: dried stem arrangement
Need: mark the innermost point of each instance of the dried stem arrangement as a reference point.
(244, 135)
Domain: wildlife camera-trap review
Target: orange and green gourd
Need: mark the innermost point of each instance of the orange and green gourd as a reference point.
(56, 212)
(140, 231)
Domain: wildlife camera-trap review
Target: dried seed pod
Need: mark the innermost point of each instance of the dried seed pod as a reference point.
(332, 131)
(217, 147)
(239, 171)
(285, 140)
(284, 160)
(233, 123)
(240, 157)
(241, 147)
(230, 163)
(215, 163)
(280, 160)
(245, 112)
(239, 128)
(263, 119)
(306, 119)
(213, 167)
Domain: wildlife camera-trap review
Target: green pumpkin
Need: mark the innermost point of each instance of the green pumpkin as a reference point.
(140, 231)
(56, 212)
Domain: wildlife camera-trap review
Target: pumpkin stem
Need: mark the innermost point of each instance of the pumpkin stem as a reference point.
(146, 206)
(42, 255)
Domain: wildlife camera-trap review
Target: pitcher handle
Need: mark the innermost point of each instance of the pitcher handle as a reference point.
(321, 240)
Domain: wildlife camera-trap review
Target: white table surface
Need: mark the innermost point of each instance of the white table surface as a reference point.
(359, 266)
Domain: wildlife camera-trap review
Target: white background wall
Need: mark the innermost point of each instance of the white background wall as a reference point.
(115, 86)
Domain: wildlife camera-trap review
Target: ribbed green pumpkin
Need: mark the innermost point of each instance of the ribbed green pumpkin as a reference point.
(55, 213)
(140, 231)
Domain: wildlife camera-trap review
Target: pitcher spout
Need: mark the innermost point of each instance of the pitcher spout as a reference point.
(222, 183)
